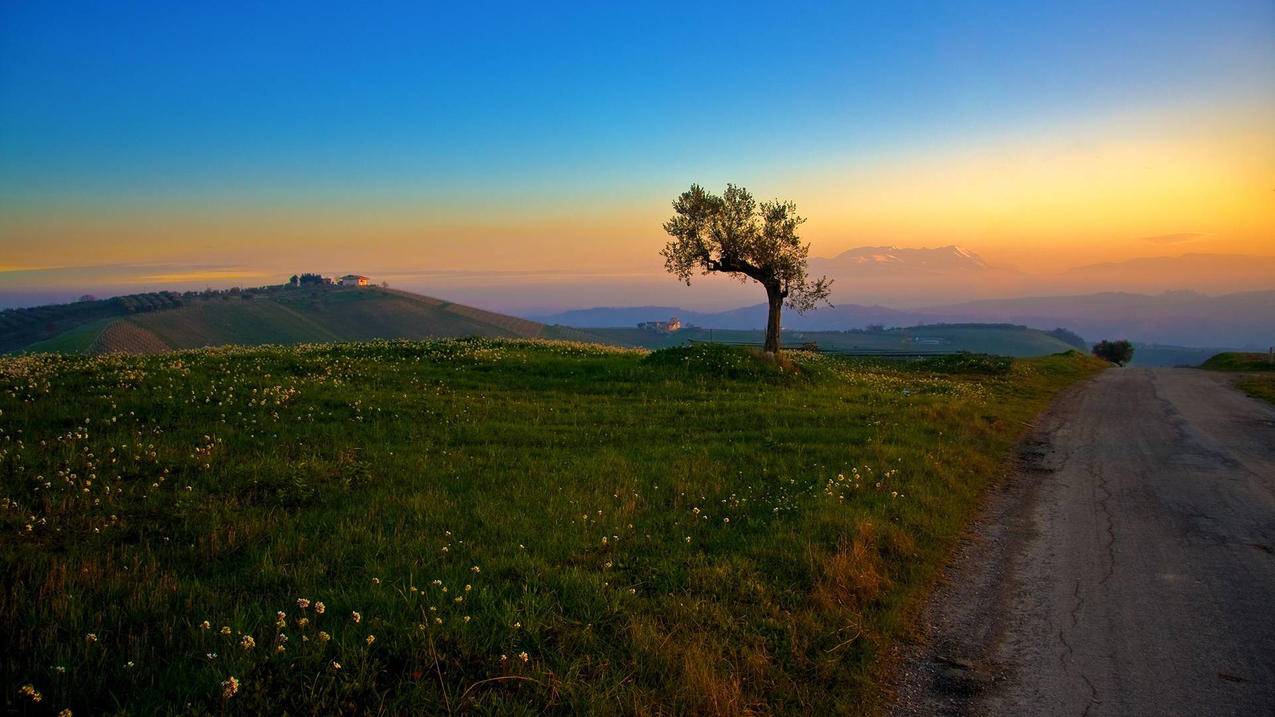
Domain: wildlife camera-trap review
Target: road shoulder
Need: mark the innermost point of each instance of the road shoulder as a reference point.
(952, 663)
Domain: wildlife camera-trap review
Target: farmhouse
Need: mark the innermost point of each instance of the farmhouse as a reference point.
(354, 280)
(661, 327)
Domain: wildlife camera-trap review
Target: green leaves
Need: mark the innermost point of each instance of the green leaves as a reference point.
(734, 234)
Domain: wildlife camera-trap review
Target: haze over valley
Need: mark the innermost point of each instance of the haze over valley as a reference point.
(1200, 303)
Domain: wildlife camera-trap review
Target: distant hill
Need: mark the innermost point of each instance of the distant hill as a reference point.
(1237, 361)
(1178, 319)
(275, 315)
(841, 317)
(1164, 355)
(1184, 318)
(616, 316)
(1000, 339)
(1168, 327)
(22, 327)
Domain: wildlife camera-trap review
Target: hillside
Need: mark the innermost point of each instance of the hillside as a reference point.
(1257, 369)
(976, 338)
(1182, 318)
(333, 314)
(289, 316)
(483, 526)
(1239, 361)
(838, 318)
(20, 328)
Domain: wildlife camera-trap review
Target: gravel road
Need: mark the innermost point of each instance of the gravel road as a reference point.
(1128, 568)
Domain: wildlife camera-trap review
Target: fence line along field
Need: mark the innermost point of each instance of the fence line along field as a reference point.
(495, 526)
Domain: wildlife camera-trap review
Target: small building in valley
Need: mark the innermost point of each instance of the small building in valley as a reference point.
(661, 327)
(354, 280)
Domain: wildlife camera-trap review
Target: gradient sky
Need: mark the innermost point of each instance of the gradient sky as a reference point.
(156, 144)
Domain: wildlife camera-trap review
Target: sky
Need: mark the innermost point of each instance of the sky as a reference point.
(525, 156)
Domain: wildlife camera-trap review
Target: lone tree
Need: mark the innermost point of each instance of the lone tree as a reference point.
(735, 235)
(1117, 352)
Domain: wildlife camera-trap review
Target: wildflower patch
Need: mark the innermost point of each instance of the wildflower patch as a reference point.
(483, 525)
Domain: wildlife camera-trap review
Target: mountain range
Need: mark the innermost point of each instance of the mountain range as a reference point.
(1231, 317)
(894, 260)
(1217, 299)
(1184, 318)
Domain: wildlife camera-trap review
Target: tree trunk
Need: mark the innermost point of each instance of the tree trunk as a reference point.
(776, 301)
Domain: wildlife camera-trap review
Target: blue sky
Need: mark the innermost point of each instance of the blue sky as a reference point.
(182, 100)
(222, 109)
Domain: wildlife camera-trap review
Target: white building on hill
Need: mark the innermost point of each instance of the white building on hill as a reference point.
(353, 280)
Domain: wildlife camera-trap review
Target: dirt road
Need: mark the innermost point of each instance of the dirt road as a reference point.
(1127, 569)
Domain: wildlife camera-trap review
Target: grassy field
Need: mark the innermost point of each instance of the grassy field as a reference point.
(1262, 386)
(1259, 384)
(1004, 341)
(483, 526)
(1239, 361)
(78, 340)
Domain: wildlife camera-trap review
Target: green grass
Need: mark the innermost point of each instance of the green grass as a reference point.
(1005, 341)
(1239, 361)
(293, 316)
(313, 315)
(1260, 386)
(521, 526)
(79, 340)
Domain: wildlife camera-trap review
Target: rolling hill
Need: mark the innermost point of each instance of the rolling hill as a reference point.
(834, 318)
(277, 316)
(1002, 340)
(1184, 318)
(1200, 324)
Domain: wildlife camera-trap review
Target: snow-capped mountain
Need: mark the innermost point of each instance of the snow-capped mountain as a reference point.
(890, 259)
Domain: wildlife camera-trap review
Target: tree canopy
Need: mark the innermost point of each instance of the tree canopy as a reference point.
(1117, 352)
(734, 234)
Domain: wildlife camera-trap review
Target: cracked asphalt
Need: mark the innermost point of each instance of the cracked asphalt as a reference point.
(1127, 568)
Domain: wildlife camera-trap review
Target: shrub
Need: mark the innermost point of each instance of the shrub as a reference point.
(1117, 352)
(723, 361)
